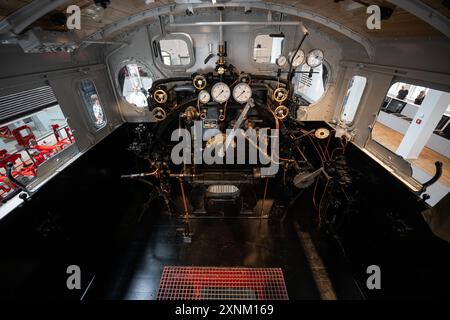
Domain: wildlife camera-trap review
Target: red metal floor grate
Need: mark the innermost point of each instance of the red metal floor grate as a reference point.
(210, 283)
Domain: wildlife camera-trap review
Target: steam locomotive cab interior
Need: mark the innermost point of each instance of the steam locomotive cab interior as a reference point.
(224, 135)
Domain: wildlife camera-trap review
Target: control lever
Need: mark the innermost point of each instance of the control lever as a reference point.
(20, 186)
(211, 55)
(435, 178)
(237, 124)
(137, 175)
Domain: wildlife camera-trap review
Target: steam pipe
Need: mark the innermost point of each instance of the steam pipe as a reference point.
(220, 29)
(238, 23)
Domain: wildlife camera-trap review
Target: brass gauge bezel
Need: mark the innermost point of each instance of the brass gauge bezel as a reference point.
(319, 57)
(204, 101)
(203, 83)
(322, 133)
(299, 58)
(160, 96)
(283, 109)
(280, 94)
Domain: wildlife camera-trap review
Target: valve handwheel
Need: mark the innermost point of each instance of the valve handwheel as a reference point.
(280, 95)
(281, 112)
(199, 82)
(160, 96)
(159, 114)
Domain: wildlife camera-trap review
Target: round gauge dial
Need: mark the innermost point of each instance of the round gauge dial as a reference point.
(280, 94)
(298, 59)
(204, 96)
(220, 92)
(322, 133)
(314, 58)
(199, 82)
(281, 61)
(160, 96)
(242, 92)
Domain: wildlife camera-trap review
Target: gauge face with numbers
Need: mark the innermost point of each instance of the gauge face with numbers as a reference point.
(204, 96)
(314, 58)
(242, 92)
(281, 61)
(220, 92)
(298, 59)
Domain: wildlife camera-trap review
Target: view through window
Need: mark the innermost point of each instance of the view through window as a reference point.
(134, 82)
(92, 103)
(310, 86)
(30, 141)
(414, 122)
(174, 52)
(267, 49)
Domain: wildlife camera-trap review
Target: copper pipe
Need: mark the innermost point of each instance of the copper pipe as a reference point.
(264, 199)
(186, 210)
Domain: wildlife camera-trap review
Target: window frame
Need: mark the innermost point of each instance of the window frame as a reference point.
(399, 167)
(123, 64)
(156, 50)
(51, 165)
(254, 35)
(91, 123)
(351, 123)
(327, 86)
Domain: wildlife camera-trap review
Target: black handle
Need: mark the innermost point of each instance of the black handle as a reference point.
(155, 49)
(9, 167)
(435, 178)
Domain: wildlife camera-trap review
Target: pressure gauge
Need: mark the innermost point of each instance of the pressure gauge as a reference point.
(298, 59)
(199, 82)
(314, 58)
(242, 92)
(281, 61)
(280, 94)
(220, 92)
(204, 96)
(322, 133)
(160, 96)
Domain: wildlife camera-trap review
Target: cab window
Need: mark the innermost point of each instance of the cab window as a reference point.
(30, 141)
(92, 103)
(174, 52)
(134, 82)
(267, 49)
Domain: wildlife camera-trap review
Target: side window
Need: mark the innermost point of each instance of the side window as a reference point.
(352, 98)
(174, 52)
(414, 123)
(92, 103)
(29, 141)
(267, 49)
(134, 83)
(310, 87)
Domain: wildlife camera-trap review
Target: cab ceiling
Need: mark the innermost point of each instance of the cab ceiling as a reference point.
(349, 13)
